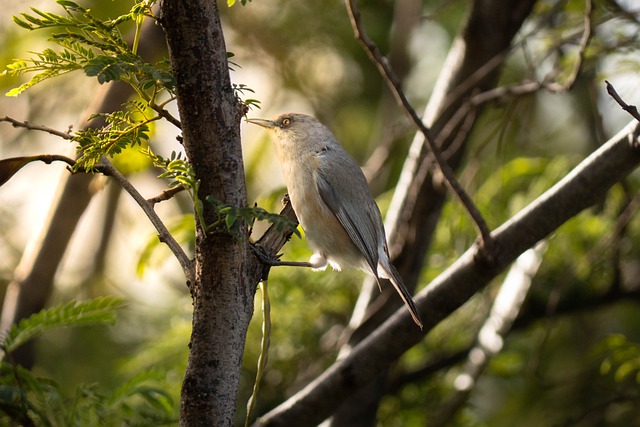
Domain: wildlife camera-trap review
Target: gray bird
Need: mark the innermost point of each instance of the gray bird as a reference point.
(332, 200)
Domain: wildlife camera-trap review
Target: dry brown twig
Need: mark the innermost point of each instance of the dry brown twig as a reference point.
(631, 109)
(486, 246)
(26, 125)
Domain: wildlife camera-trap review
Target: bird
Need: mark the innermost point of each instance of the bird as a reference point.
(332, 200)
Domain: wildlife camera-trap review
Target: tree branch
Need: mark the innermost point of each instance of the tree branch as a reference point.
(631, 109)
(533, 312)
(29, 126)
(165, 195)
(106, 167)
(581, 188)
(165, 114)
(388, 75)
(164, 235)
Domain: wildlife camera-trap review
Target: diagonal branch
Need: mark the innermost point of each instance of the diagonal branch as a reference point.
(581, 188)
(106, 167)
(165, 195)
(165, 114)
(390, 78)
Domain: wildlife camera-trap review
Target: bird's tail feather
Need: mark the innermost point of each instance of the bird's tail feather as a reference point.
(397, 282)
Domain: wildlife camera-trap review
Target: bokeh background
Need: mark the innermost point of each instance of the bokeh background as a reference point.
(302, 57)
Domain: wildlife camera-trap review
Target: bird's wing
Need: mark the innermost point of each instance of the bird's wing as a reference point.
(351, 213)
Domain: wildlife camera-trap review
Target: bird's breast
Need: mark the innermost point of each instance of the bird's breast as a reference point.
(322, 229)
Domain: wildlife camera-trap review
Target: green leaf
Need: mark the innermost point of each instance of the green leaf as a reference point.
(68, 4)
(230, 219)
(21, 23)
(92, 312)
(34, 80)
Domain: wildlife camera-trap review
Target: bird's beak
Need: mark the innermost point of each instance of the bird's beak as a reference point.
(262, 122)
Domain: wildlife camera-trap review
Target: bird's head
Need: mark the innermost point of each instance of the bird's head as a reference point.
(294, 131)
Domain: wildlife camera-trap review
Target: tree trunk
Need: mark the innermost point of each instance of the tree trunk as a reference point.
(222, 291)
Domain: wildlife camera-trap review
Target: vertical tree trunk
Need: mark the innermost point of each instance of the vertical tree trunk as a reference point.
(221, 290)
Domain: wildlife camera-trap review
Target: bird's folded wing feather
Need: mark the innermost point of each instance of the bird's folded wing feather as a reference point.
(352, 215)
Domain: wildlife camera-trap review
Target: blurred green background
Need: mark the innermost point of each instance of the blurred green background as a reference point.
(302, 56)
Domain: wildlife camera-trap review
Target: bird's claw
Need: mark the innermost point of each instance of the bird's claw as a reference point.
(268, 259)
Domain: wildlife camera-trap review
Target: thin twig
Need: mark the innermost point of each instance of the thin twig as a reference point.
(520, 89)
(631, 109)
(584, 42)
(389, 76)
(29, 126)
(165, 114)
(163, 234)
(165, 195)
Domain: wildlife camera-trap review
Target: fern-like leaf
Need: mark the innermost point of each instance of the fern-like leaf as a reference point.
(93, 312)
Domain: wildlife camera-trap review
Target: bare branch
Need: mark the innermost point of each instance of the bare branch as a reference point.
(10, 166)
(163, 234)
(631, 109)
(27, 125)
(165, 195)
(521, 89)
(388, 75)
(584, 42)
(165, 114)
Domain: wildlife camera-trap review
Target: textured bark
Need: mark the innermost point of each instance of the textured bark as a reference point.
(222, 290)
(418, 201)
(33, 279)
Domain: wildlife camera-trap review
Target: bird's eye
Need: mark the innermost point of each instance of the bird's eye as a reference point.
(286, 122)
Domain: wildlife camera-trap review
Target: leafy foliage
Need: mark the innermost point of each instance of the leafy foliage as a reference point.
(240, 89)
(621, 357)
(230, 218)
(30, 400)
(122, 129)
(95, 46)
(98, 48)
(93, 312)
(176, 168)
